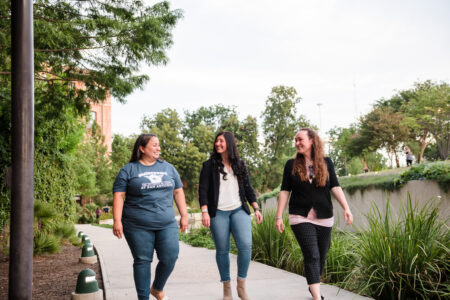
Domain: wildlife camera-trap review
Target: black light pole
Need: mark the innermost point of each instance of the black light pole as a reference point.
(21, 247)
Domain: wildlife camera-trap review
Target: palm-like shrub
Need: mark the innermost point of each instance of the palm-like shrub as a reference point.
(50, 229)
(44, 242)
(407, 256)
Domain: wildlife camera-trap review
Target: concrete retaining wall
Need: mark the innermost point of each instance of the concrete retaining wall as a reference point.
(360, 203)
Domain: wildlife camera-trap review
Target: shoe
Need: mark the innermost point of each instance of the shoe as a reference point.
(242, 293)
(227, 295)
(154, 292)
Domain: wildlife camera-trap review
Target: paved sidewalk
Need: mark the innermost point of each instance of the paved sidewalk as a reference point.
(195, 276)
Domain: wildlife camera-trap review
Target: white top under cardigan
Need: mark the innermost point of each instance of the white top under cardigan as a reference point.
(229, 192)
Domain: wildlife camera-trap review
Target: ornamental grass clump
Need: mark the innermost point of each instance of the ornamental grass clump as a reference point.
(405, 256)
(275, 249)
(342, 259)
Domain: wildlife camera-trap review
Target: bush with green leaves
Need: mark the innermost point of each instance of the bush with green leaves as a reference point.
(200, 237)
(438, 171)
(405, 256)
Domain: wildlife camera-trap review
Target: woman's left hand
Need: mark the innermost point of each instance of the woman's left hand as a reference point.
(348, 216)
(183, 223)
(259, 217)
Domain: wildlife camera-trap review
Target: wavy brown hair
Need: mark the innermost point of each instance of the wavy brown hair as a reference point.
(318, 158)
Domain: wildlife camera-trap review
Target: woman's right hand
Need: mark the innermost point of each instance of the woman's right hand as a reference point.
(118, 229)
(206, 220)
(279, 225)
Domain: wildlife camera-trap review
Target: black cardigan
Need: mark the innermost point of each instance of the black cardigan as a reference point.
(208, 188)
(305, 195)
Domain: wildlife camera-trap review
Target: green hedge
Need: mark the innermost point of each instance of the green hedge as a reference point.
(438, 171)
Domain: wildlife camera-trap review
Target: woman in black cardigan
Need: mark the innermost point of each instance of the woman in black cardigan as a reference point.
(307, 182)
(224, 191)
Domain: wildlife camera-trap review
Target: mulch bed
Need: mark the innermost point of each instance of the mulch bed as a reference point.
(54, 276)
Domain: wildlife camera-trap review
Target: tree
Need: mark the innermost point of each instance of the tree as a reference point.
(430, 106)
(280, 123)
(400, 103)
(84, 50)
(201, 125)
(383, 128)
(339, 139)
(185, 157)
(98, 43)
(426, 114)
(121, 151)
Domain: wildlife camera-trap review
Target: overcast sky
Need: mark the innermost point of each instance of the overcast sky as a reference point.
(342, 54)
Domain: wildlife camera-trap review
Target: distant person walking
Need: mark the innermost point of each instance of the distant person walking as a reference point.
(143, 212)
(307, 182)
(224, 191)
(409, 156)
(98, 212)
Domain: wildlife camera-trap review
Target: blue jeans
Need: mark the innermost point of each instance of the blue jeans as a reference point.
(142, 243)
(237, 222)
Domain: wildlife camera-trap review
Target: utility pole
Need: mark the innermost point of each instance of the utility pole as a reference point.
(320, 118)
(22, 94)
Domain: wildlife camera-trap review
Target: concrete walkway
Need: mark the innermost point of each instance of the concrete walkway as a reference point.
(195, 276)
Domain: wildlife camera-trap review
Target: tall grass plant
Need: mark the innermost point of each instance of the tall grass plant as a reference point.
(275, 249)
(405, 256)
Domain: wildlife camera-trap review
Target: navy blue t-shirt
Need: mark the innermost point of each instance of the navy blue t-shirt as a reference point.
(149, 194)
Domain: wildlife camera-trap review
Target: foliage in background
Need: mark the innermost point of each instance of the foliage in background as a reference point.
(167, 126)
(438, 171)
(86, 214)
(93, 167)
(82, 52)
(429, 109)
(390, 180)
(273, 194)
(362, 183)
(121, 152)
(193, 138)
(280, 124)
(344, 160)
(200, 237)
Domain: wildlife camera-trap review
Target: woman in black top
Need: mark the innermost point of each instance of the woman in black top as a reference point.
(308, 180)
(224, 190)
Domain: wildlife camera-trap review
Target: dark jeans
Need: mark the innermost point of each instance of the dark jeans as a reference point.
(237, 222)
(314, 240)
(142, 243)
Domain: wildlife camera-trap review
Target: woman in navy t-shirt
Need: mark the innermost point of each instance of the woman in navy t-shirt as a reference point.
(143, 212)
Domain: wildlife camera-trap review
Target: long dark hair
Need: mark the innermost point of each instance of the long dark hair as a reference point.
(236, 163)
(142, 140)
(318, 158)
